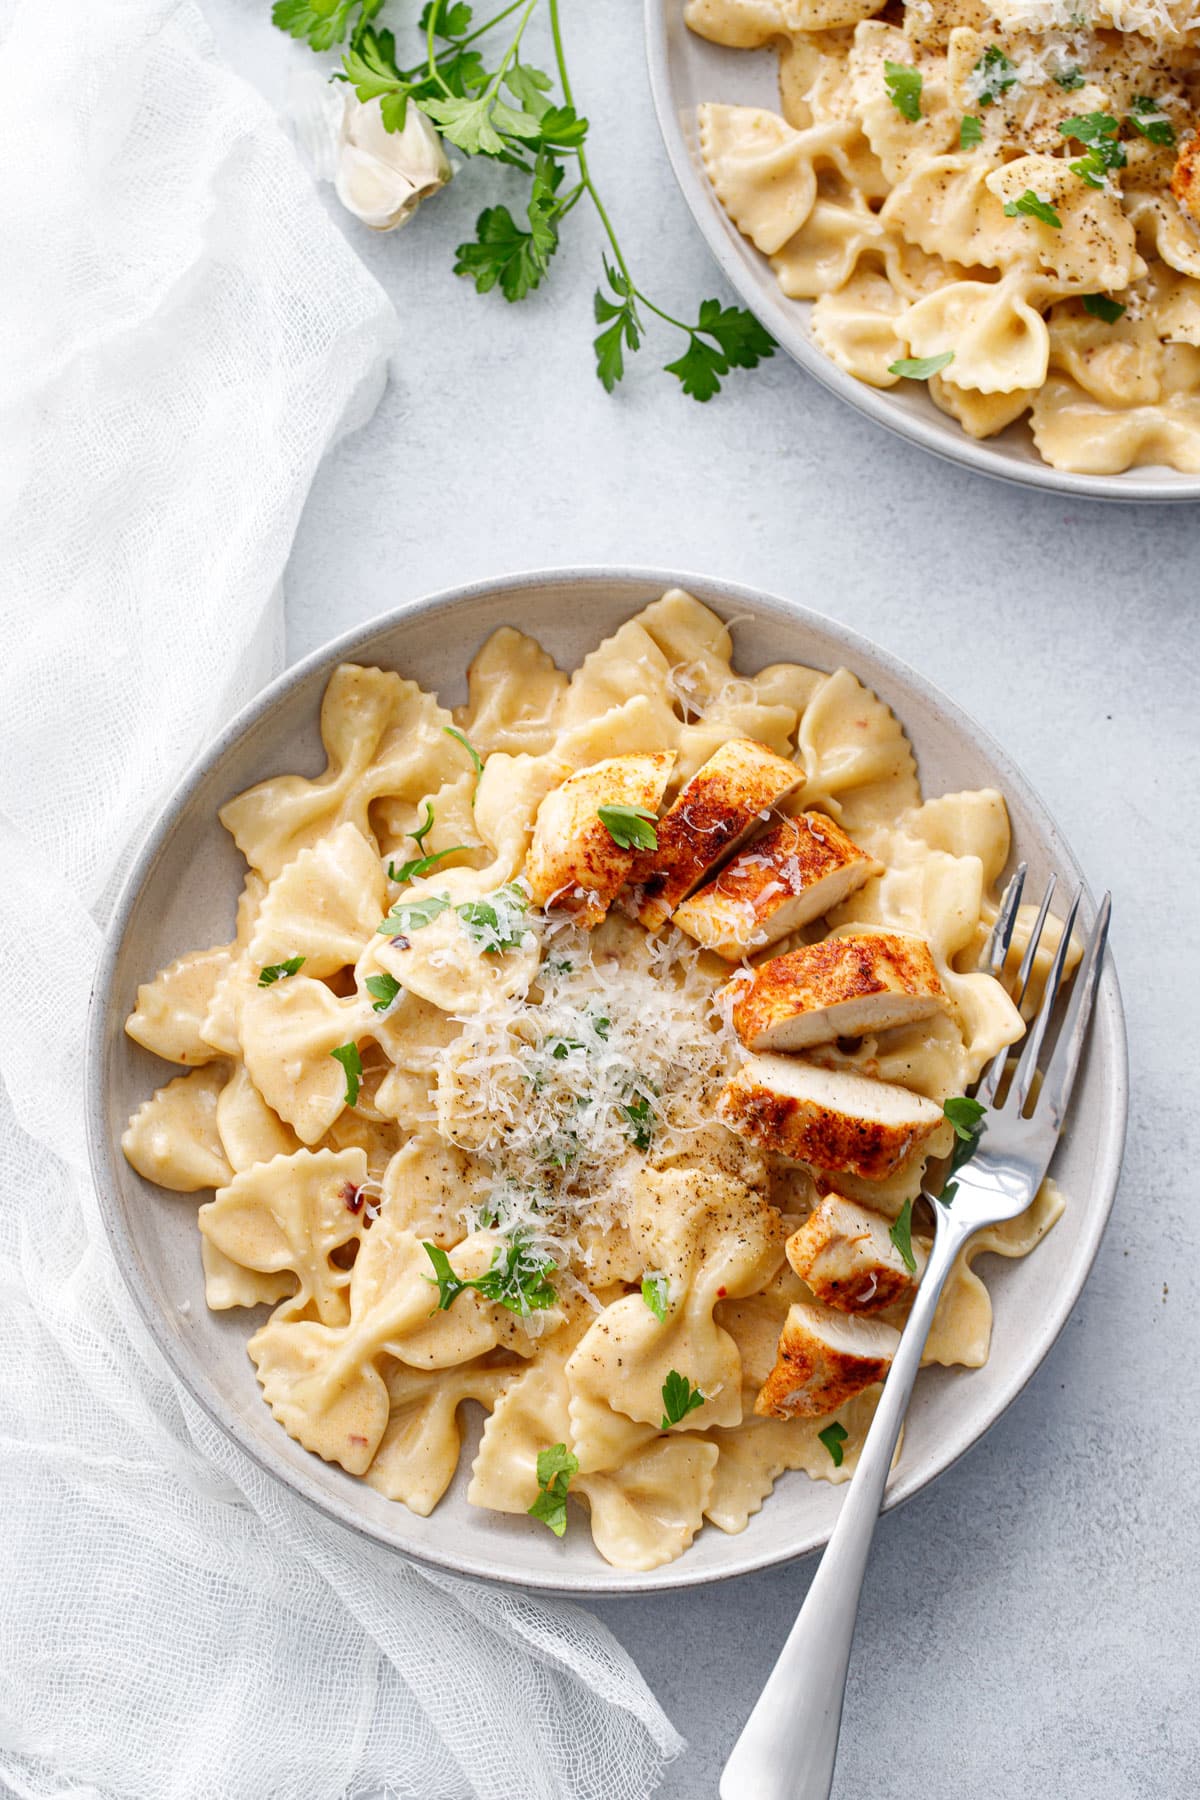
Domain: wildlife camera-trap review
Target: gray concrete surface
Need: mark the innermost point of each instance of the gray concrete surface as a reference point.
(1029, 1624)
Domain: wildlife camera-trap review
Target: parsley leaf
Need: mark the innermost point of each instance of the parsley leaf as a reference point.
(497, 922)
(351, 1061)
(833, 1437)
(423, 830)
(920, 368)
(656, 1292)
(1147, 117)
(385, 988)
(320, 26)
(421, 865)
(518, 1279)
(623, 327)
(448, 1284)
(1099, 132)
(740, 342)
(412, 915)
(679, 1398)
(629, 827)
(555, 1467)
(502, 255)
(994, 75)
(903, 84)
(901, 1235)
(530, 86)
(1069, 79)
(1033, 208)
(370, 67)
(970, 131)
(280, 971)
(640, 1113)
(1101, 307)
(461, 738)
(450, 21)
(967, 1117)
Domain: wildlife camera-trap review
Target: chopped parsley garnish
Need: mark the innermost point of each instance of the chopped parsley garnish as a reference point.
(970, 131)
(426, 826)
(629, 827)
(497, 922)
(920, 368)
(679, 1398)
(421, 865)
(1147, 117)
(640, 1113)
(280, 971)
(967, 1117)
(656, 1292)
(1101, 307)
(901, 1235)
(833, 1437)
(555, 1468)
(903, 84)
(1032, 208)
(994, 75)
(460, 738)
(1069, 79)
(518, 1279)
(412, 915)
(384, 989)
(351, 1061)
(1099, 132)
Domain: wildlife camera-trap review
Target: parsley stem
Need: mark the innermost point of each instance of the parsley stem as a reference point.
(435, 13)
(493, 86)
(482, 30)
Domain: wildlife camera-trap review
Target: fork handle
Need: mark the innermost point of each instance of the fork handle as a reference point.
(788, 1748)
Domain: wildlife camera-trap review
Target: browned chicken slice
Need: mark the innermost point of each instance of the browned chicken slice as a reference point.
(1185, 180)
(845, 1254)
(575, 864)
(715, 813)
(831, 1118)
(825, 1358)
(843, 987)
(797, 871)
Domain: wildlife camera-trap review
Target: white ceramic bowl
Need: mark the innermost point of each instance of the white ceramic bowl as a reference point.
(180, 895)
(685, 70)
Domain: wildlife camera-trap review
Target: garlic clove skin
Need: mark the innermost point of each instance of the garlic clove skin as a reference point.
(382, 176)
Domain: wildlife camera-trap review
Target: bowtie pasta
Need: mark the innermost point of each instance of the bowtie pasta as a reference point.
(999, 197)
(482, 1083)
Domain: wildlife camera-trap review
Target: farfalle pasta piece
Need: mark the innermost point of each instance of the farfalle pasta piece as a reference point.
(752, 1457)
(452, 827)
(227, 1284)
(946, 208)
(291, 1215)
(857, 761)
(382, 736)
(1000, 340)
(822, 257)
(1074, 430)
(764, 172)
(711, 1238)
(647, 1511)
(289, 1034)
(172, 1138)
(513, 693)
(249, 1131)
(748, 24)
(324, 905)
(323, 1382)
(221, 1027)
(1118, 363)
(980, 415)
(420, 1447)
(429, 1185)
(1094, 248)
(856, 327)
(1164, 230)
(171, 1009)
(814, 82)
(452, 965)
(898, 142)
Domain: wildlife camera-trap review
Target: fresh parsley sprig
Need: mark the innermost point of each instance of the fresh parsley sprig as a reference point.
(901, 1235)
(920, 368)
(518, 1279)
(1031, 207)
(967, 1117)
(383, 989)
(281, 970)
(555, 1468)
(351, 1061)
(656, 1292)
(679, 1398)
(629, 827)
(501, 107)
(903, 84)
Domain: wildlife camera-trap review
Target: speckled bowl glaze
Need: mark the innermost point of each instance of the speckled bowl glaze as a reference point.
(181, 893)
(685, 70)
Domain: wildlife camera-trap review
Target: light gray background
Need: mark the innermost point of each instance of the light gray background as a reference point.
(1029, 1625)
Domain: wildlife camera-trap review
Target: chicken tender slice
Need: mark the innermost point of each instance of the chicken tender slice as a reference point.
(843, 987)
(574, 863)
(715, 813)
(825, 1358)
(831, 1118)
(1185, 179)
(797, 871)
(844, 1253)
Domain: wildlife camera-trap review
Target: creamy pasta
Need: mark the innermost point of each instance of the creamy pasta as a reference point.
(476, 1086)
(1000, 196)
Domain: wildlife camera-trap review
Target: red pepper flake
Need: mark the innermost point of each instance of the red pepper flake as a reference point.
(353, 1196)
(721, 1293)
(355, 1439)
(400, 943)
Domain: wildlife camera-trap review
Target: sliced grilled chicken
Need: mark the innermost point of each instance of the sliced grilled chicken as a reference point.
(575, 864)
(843, 987)
(797, 871)
(831, 1118)
(715, 813)
(845, 1254)
(1185, 180)
(825, 1358)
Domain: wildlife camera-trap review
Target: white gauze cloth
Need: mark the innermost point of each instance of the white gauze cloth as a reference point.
(184, 334)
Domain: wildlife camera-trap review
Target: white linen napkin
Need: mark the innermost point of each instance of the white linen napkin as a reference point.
(184, 334)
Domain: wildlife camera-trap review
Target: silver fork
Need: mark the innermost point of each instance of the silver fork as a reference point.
(789, 1746)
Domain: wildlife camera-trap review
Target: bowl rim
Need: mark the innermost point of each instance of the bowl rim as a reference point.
(941, 437)
(103, 1149)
